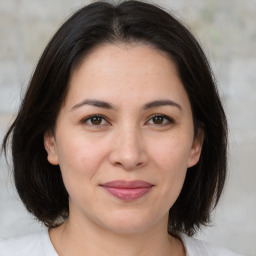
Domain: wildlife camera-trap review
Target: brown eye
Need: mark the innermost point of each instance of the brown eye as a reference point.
(95, 120)
(160, 120)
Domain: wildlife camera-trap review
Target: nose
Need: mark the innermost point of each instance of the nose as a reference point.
(128, 150)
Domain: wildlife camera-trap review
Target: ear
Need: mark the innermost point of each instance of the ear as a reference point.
(50, 147)
(196, 148)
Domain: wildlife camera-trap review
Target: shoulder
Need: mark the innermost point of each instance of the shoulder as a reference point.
(37, 244)
(195, 247)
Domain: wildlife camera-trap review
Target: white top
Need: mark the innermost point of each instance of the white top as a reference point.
(39, 244)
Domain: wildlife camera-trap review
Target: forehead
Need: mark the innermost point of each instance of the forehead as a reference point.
(112, 71)
(120, 58)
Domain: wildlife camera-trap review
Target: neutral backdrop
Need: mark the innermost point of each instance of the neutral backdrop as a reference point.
(227, 32)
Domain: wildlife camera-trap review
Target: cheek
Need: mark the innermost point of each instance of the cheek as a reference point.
(79, 159)
(171, 157)
(172, 153)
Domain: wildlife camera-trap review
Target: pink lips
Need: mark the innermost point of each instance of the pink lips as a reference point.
(127, 190)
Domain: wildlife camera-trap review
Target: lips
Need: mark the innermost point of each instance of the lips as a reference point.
(127, 190)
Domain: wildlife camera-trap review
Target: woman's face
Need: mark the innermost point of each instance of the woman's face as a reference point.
(124, 138)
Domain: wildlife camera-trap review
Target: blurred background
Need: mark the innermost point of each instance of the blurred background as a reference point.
(227, 32)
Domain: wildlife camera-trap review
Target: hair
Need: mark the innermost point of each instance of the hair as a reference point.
(40, 185)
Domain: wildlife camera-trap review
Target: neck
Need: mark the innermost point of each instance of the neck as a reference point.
(77, 237)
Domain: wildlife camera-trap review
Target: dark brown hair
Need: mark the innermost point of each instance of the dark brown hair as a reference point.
(40, 185)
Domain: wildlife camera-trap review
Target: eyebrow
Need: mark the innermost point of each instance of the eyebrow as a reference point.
(159, 103)
(92, 102)
(106, 105)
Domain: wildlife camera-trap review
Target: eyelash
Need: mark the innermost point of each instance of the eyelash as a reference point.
(94, 116)
(169, 119)
(84, 121)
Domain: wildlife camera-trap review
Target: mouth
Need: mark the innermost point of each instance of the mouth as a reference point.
(127, 190)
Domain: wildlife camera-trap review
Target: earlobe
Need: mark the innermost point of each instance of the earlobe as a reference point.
(196, 148)
(50, 147)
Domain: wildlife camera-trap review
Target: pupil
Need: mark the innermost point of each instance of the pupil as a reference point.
(96, 120)
(158, 120)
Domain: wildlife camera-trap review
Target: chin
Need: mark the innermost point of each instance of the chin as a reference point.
(129, 222)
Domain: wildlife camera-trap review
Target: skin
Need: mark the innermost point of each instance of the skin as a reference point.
(126, 143)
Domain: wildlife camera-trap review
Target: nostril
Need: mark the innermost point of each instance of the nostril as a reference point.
(118, 164)
(128, 154)
(128, 166)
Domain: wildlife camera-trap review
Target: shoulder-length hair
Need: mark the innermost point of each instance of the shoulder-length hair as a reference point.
(40, 185)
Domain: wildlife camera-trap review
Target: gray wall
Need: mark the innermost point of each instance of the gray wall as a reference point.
(226, 30)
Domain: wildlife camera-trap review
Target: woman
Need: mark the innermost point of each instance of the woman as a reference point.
(119, 146)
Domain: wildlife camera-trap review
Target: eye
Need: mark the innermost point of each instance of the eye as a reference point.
(95, 120)
(160, 119)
